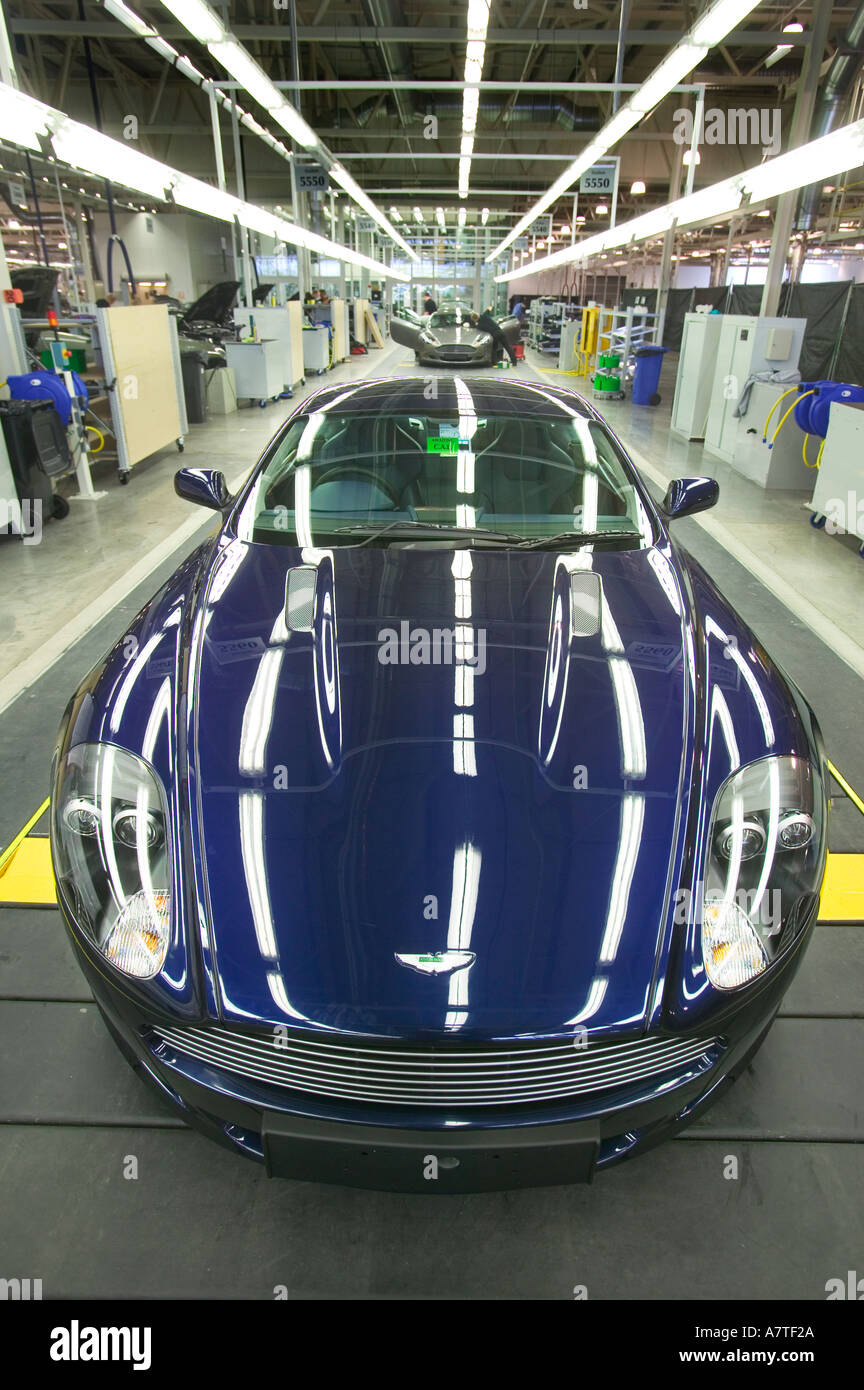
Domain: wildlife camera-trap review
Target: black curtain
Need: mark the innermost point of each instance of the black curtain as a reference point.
(850, 359)
(823, 307)
(634, 298)
(744, 299)
(679, 303)
(715, 295)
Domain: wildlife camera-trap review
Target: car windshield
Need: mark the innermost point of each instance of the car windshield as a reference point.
(386, 479)
(454, 316)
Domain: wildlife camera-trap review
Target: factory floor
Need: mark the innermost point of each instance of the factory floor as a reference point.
(199, 1222)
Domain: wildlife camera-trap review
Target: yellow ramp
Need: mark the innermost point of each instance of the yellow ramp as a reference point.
(27, 876)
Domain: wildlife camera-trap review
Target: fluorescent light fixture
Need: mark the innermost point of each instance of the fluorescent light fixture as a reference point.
(189, 70)
(673, 69)
(353, 189)
(711, 29)
(396, 214)
(22, 119)
(203, 197)
(197, 17)
(477, 23)
(200, 20)
(418, 215)
(832, 154)
(782, 49)
(720, 20)
(470, 107)
(601, 210)
(260, 220)
(129, 18)
(85, 148)
(478, 18)
(687, 157)
(717, 200)
(484, 216)
(474, 68)
(242, 66)
(637, 188)
(439, 217)
(163, 49)
(462, 216)
(251, 124)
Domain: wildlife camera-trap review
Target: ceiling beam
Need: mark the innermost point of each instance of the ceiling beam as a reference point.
(413, 34)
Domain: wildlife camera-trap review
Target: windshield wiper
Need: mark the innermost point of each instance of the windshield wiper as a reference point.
(433, 528)
(576, 538)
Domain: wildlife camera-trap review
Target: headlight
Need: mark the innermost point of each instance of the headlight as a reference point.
(764, 865)
(109, 831)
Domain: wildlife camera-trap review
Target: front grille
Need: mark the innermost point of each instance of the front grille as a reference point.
(456, 354)
(493, 1076)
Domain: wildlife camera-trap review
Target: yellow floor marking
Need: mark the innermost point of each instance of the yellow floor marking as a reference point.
(841, 781)
(22, 834)
(27, 877)
(843, 890)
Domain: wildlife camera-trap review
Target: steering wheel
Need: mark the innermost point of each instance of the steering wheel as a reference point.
(338, 473)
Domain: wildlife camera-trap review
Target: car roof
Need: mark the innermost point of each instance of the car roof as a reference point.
(410, 395)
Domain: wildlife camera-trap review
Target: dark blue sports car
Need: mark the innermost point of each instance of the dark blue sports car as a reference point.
(438, 826)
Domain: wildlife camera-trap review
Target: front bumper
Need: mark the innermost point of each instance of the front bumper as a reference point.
(310, 1139)
(429, 356)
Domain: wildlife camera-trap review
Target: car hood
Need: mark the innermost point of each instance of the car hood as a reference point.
(214, 305)
(464, 336)
(352, 809)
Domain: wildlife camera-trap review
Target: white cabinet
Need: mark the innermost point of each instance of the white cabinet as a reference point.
(746, 345)
(285, 325)
(696, 367)
(257, 369)
(316, 348)
(781, 466)
(839, 491)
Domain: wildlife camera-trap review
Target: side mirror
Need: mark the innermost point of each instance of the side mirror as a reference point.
(206, 486)
(684, 496)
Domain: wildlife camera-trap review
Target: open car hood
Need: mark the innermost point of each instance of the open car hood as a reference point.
(351, 811)
(214, 304)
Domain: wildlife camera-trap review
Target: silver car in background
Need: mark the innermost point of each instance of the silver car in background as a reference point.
(449, 339)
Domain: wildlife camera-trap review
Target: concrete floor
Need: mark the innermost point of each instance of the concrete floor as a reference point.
(200, 1222)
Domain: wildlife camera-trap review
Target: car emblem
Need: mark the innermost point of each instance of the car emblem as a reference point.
(437, 962)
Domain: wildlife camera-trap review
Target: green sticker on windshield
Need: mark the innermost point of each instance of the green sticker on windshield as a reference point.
(442, 446)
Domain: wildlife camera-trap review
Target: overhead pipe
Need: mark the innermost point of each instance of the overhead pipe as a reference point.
(538, 109)
(829, 108)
